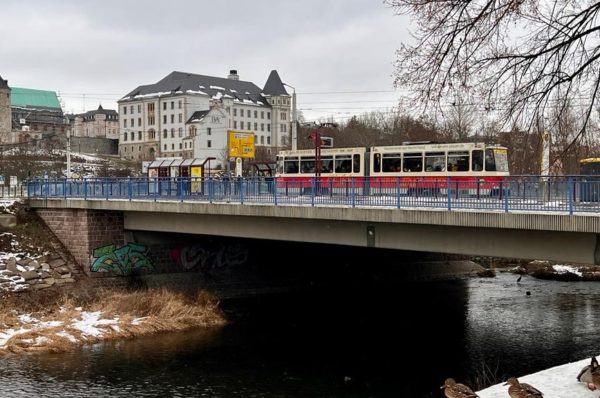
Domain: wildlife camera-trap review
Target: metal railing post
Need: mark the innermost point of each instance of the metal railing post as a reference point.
(353, 192)
(312, 191)
(211, 189)
(398, 192)
(570, 194)
(85, 189)
(449, 192)
(274, 188)
(241, 183)
(505, 193)
(129, 189)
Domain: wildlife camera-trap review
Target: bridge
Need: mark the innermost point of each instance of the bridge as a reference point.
(553, 219)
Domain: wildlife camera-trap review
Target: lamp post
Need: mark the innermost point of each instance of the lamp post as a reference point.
(294, 121)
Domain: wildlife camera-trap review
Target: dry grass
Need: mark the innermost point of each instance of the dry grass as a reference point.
(161, 311)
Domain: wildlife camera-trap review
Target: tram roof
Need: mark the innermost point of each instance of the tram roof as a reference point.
(590, 160)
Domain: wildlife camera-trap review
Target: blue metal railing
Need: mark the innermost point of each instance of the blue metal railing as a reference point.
(564, 194)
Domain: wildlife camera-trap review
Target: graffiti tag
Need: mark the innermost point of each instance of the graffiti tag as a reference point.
(123, 260)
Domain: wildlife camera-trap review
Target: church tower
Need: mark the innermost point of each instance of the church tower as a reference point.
(5, 112)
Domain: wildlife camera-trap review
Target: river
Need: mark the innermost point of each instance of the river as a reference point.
(352, 341)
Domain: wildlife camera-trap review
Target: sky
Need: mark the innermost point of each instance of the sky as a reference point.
(338, 54)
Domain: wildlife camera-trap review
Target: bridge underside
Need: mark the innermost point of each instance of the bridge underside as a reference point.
(573, 247)
(556, 237)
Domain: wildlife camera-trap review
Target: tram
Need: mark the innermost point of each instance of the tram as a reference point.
(412, 168)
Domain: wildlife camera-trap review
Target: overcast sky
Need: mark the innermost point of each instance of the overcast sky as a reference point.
(105, 49)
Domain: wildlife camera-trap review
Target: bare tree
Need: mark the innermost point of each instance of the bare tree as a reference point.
(514, 55)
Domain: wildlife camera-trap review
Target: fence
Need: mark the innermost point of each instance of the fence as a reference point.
(565, 194)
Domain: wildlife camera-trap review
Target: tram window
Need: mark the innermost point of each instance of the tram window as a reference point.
(356, 163)
(458, 161)
(391, 163)
(477, 160)
(327, 164)
(307, 165)
(435, 161)
(413, 162)
(490, 163)
(377, 162)
(343, 163)
(290, 165)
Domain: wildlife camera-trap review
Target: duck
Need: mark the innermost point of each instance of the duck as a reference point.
(585, 376)
(521, 390)
(452, 389)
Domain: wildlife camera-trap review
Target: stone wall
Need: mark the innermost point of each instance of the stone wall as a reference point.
(104, 146)
(81, 231)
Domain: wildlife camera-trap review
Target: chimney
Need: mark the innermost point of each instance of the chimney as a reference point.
(233, 75)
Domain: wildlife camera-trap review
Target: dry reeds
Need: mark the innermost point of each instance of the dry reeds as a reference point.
(64, 322)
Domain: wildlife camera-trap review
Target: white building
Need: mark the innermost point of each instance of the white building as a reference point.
(161, 119)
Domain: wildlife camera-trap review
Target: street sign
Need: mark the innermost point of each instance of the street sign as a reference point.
(241, 145)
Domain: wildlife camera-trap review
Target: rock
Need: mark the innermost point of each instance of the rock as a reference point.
(8, 274)
(41, 286)
(46, 266)
(11, 262)
(486, 273)
(34, 265)
(24, 261)
(62, 281)
(2, 266)
(29, 275)
(62, 270)
(57, 263)
(65, 276)
(49, 281)
(45, 274)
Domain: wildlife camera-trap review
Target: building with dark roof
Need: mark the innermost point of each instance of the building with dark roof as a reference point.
(99, 123)
(155, 119)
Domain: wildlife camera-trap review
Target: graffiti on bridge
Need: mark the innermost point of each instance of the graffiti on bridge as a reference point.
(123, 260)
(206, 259)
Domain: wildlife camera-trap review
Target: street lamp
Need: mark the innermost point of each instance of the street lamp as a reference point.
(294, 121)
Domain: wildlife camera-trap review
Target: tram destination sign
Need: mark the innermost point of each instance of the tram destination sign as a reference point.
(241, 145)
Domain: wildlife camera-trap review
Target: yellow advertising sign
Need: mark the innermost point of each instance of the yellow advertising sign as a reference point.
(241, 145)
(196, 176)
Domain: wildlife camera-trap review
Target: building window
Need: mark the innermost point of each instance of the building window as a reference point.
(262, 127)
(125, 137)
(124, 110)
(164, 109)
(262, 139)
(255, 126)
(151, 107)
(133, 136)
(248, 113)
(268, 140)
(172, 147)
(132, 122)
(139, 108)
(172, 104)
(268, 127)
(165, 147)
(282, 128)
(165, 133)
(164, 119)
(269, 115)
(180, 145)
(139, 135)
(282, 115)
(180, 117)
(151, 134)
(180, 104)
(192, 131)
(180, 131)
(172, 119)
(131, 109)
(208, 131)
(262, 114)
(139, 121)
(228, 109)
(151, 120)
(209, 144)
(172, 133)
(234, 112)
(241, 125)
(256, 114)
(125, 123)
(235, 124)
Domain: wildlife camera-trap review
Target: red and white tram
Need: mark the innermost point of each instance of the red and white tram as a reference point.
(473, 168)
